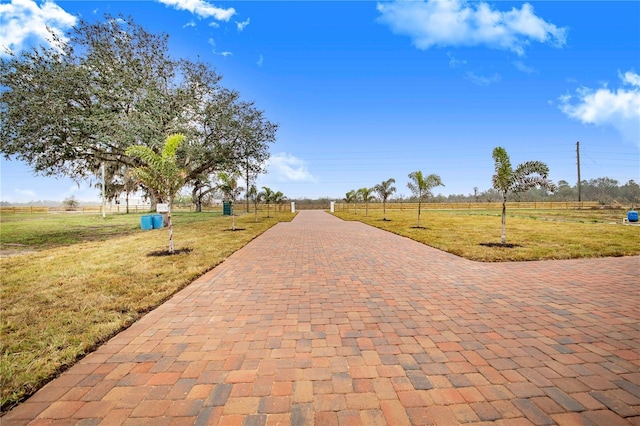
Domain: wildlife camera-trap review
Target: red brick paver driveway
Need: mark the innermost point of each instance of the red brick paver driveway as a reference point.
(326, 322)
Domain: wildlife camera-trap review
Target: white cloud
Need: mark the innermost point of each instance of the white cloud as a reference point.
(260, 61)
(241, 25)
(618, 108)
(455, 62)
(212, 42)
(189, 24)
(481, 80)
(286, 167)
(201, 8)
(441, 23)
(631, 78)
(24, 21)
(524, 68)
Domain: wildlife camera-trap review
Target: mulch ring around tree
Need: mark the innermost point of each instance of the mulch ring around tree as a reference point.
(500, 245)
(160, 253)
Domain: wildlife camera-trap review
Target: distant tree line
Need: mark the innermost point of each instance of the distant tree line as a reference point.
(604, 190)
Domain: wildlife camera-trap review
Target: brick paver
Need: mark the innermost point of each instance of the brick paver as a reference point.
(330, 322)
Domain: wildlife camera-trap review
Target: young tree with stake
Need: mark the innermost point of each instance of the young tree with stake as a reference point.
(385, 190)
(160, 172)
(267, 196)
(366, 195)
(351, 197)
(507, 181)
(421, 187)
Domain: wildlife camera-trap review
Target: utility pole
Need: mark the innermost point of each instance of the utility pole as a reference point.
(578, 158)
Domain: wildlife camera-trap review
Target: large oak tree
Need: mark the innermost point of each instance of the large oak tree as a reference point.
(67, 110)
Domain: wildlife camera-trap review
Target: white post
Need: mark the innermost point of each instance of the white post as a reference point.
(103, 199)
(333, 206)
(293, 207)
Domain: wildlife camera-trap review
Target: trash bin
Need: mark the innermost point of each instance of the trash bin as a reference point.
(632, 216)
(158, 221)
(146, 222)
(227, 209)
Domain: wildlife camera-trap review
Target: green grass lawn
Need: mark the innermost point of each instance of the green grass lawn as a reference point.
(29, 232)
(533, 234)
(89, 278)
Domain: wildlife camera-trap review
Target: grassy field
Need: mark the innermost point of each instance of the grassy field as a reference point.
(531, 234)
(33, 232)
(86, 278)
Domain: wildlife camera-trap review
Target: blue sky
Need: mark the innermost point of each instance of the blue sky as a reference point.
(365, 91)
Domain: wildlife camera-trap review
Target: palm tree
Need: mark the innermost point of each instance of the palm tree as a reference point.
(506, 181)
(160, 172)
(267, 196)
(385, 190)
(228, 185)
(254, 196)
(366, 196)
(351, 197)
(277, 198)
(421, 187)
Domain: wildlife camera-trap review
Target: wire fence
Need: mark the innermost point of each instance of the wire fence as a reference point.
(139, 208)
(532, 205)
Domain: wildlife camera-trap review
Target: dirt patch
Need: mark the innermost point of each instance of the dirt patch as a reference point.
(160, 253)
(500, 245)
(14, 252)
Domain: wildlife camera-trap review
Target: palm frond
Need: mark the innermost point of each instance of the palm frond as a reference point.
(160, 172)
(503, 179)
(172, 144)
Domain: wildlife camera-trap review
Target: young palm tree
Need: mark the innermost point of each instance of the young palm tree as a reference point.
(160, 172)
(506, 181)
(277, 198)
(254, 196)
(366, 195)
(229, 187)
(351, 197)
(384, 190)
(267, 196)
(421, 187)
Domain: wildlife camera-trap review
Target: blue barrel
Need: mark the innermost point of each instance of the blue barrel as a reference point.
(632, 216)
(146, 222)
(158, 221)
(227, 208)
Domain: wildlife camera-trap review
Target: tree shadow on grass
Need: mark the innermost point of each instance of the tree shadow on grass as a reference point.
(234, 230)
(500, 245)
(161, 253)
(419, 227)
